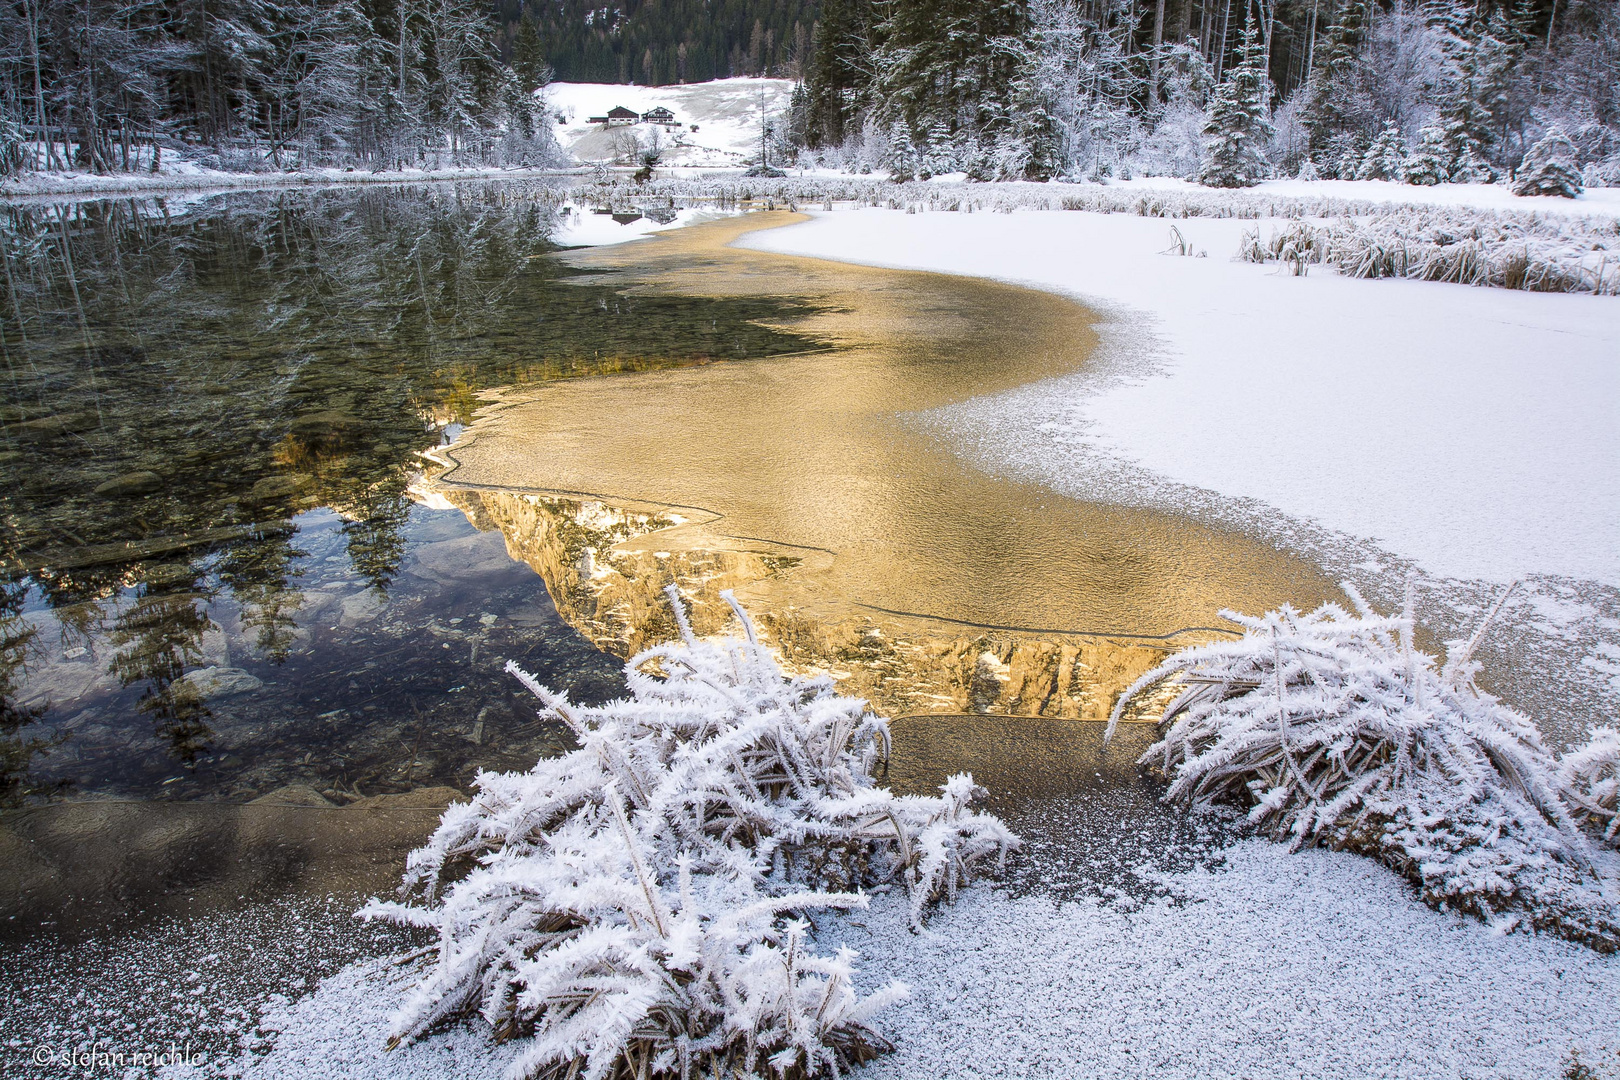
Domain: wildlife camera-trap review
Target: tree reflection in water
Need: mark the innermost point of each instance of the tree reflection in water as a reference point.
(185, 378)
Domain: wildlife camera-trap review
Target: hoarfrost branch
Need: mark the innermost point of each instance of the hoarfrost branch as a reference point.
(1335, 730)
(631, 908)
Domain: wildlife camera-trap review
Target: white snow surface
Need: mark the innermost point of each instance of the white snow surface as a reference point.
(1280, 965)
(1471, 430)
(726, 112)
(1273, 965)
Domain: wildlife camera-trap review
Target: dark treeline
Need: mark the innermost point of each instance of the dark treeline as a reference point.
(245, 84)
(655, 43)
(1426, 90)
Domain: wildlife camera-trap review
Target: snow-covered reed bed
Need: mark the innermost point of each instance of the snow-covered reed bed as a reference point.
(632, 908)
(1469, 247)
(1511, 249)
(1335, 730)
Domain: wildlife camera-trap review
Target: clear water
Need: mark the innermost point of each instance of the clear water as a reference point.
(215, 579)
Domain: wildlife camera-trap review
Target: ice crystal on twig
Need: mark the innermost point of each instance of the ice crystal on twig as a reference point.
(1334, 729)
(630, 908)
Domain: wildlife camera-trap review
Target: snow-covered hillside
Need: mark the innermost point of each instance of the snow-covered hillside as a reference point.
(718, 123)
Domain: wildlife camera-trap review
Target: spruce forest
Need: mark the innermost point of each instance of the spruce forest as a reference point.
(1424, 91)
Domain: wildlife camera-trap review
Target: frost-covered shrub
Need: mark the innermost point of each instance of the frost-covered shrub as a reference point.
(1602, 174)
(1589, 780)
(625, 907)
(1549, 167)
(1334, 730)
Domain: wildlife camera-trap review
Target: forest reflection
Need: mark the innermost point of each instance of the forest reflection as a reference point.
(187, 382)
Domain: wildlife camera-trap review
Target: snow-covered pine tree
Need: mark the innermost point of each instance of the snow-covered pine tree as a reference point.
(837, 81)
(950, 62)
(1549, 167)
(902, 160)
(1237, 129)
(1426, 165)
(1385, 158)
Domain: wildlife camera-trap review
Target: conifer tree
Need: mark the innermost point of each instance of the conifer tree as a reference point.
(1549, 167)
(1386, 157)
(838, 71)
(1426, 165)
(948, 62)
(1237, 128)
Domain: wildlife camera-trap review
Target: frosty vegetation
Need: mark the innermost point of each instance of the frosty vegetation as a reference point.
(1509, 249)
(260, 85)
(1333, 729)
(1447, 244)
(635, 907)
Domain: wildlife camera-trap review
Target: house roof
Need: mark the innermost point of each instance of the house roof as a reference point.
(620, 112)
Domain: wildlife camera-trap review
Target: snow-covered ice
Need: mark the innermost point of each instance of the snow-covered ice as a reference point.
(1471, 430)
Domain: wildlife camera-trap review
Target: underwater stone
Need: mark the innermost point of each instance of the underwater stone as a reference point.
(135, 483)
(274, 487)
(50, 426)
(217, 682)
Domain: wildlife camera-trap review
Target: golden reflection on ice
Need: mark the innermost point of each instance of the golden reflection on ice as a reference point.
(868, 549)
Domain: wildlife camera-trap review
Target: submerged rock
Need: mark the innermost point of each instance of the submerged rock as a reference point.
(217, 682)
(141, 482)
(274, 487)
(48, 427)
(293, 795)
(326, 426)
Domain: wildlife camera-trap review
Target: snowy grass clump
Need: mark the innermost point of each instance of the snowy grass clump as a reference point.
(1468, 247)
(631, 908)
(1336, 731)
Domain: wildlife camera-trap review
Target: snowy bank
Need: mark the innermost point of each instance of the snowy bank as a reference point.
(1592, 201)
(1270, 964)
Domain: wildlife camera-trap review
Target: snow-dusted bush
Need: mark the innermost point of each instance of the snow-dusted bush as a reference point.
(1334, 729)
(1589, 780)
(1549, 167)
(625, 907)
